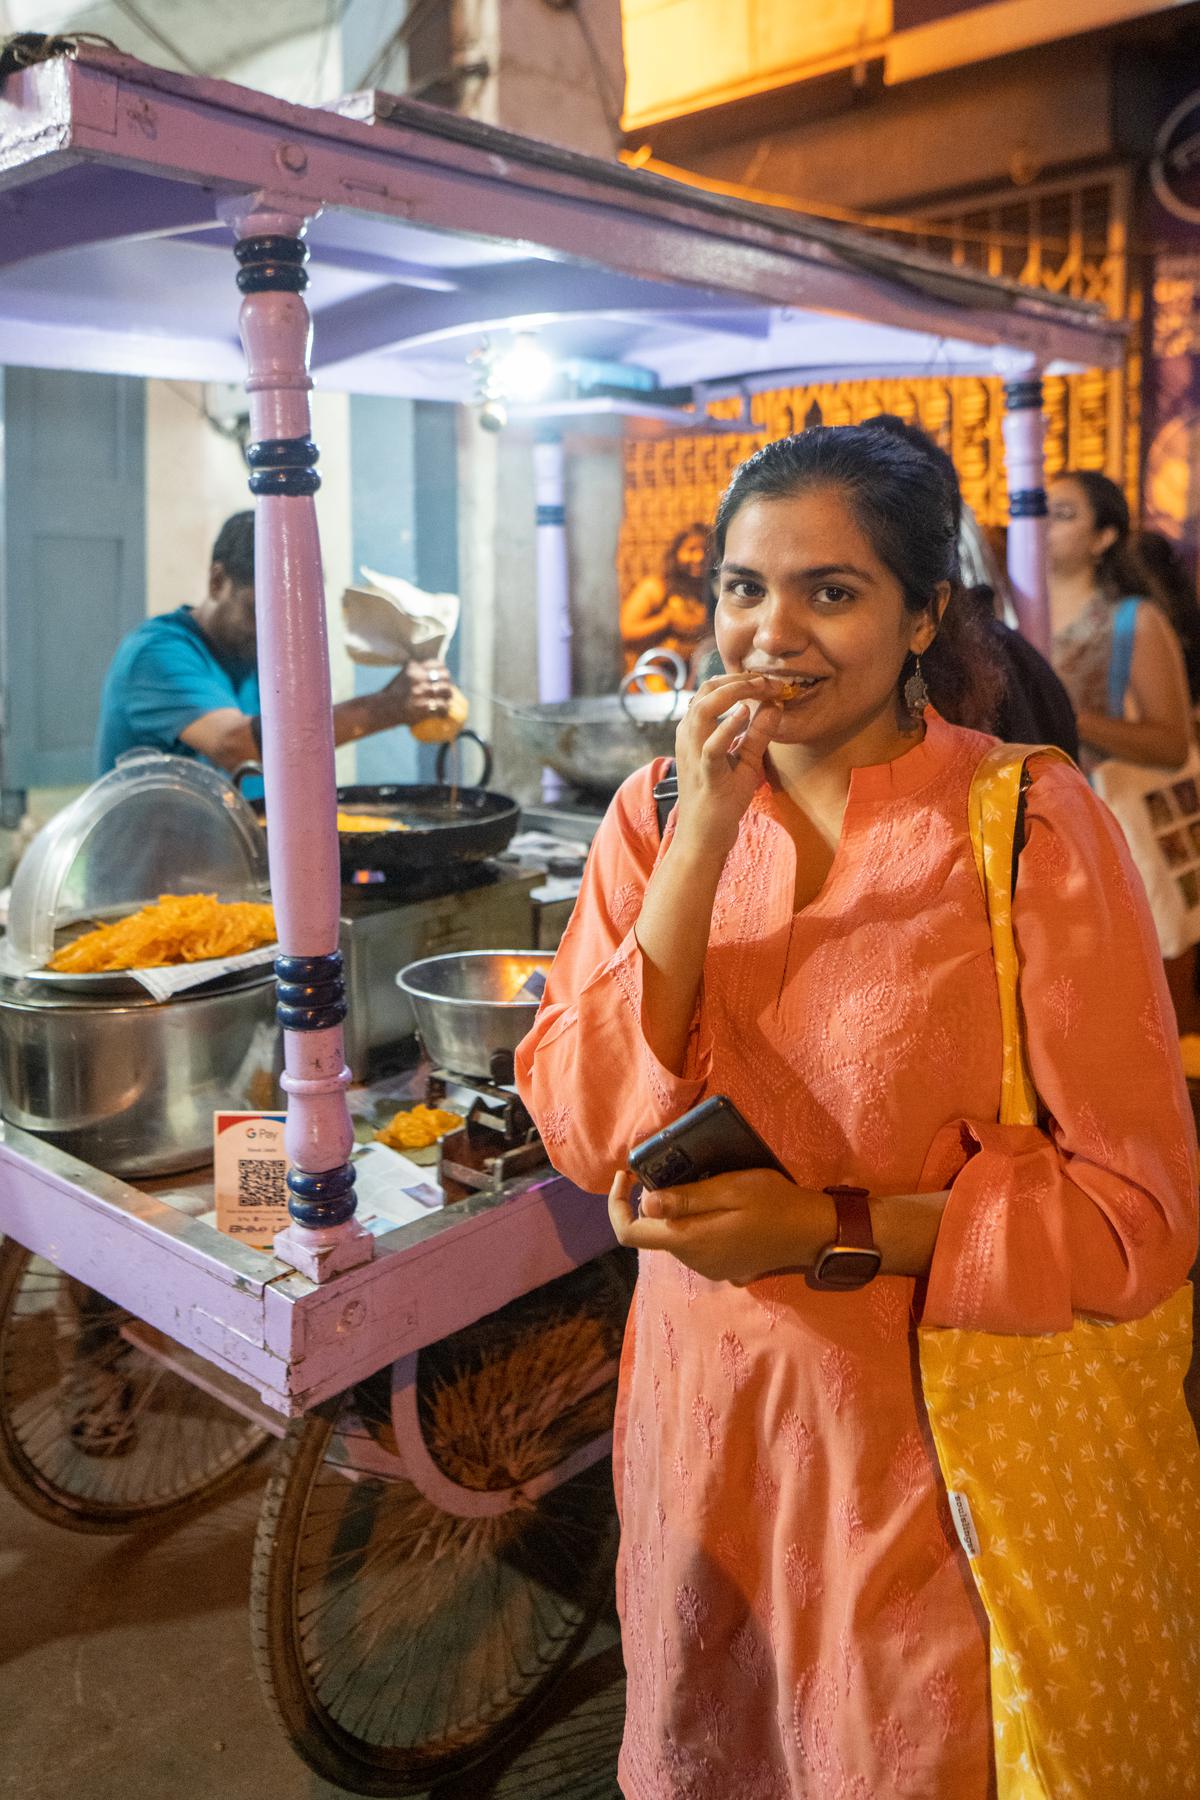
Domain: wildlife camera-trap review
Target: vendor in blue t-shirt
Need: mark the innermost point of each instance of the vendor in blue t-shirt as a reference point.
(187, 681)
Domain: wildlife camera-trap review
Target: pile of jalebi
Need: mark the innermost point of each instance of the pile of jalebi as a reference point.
(176, 928)
(418, 1128)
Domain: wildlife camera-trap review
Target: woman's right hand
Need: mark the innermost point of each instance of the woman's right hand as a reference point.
(719, 749)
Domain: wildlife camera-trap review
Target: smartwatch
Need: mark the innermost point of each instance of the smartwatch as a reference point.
(852, 1259)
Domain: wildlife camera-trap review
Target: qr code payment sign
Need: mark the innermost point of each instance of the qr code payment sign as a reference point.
(261, 1183)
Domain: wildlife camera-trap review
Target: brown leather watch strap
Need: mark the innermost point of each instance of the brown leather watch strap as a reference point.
(853, 1258)
(853, 1217)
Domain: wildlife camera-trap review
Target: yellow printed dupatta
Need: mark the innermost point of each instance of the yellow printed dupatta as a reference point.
(1074, 1479)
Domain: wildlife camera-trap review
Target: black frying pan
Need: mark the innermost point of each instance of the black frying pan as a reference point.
(444, 824)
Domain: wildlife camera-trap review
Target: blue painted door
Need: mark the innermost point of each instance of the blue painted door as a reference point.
(74, 560)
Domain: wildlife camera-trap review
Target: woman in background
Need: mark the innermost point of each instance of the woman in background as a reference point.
(1091, 567)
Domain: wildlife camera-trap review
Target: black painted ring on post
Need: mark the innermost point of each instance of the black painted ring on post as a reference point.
(311, 993)
(284, 481)
(321, 1184)
(322, 1200)
(1023, 395)
(282, 453)
(326, 967)
(283, 466)
(272, 264)
(276, 248)
(1030, 503)
(310, 1018)
(272, 278)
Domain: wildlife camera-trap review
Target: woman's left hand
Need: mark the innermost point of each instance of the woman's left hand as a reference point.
(734, 1228)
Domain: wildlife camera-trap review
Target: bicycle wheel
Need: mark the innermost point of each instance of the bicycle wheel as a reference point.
(397, 1642)
(100, 1429)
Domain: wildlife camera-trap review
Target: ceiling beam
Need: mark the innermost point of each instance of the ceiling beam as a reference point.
(391, 317)
(140, 206)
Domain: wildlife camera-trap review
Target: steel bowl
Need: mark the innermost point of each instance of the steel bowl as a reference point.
(467, 1016)
(130, 1084)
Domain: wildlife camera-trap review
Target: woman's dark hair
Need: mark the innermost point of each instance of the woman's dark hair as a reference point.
(1118, 571)
(903, 491)
(234, 548)
(1172, 586)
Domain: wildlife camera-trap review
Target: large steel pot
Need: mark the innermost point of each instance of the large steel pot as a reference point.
(594, 743)
(130, 1084)
(469, 1016)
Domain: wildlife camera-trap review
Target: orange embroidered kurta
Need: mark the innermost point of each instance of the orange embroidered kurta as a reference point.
(798, 1621)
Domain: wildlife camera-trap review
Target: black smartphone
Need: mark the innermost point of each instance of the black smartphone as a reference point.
(711, 1139)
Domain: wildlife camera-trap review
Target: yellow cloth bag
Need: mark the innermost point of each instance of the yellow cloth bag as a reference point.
(1074, 1479)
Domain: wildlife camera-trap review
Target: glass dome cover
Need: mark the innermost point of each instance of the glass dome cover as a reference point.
(154, 825)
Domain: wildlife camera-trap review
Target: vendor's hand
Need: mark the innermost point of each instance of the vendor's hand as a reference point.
(734, 1228)
(421, 690)
(719, 759)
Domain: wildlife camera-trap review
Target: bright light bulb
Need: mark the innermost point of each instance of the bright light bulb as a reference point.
(525, 371)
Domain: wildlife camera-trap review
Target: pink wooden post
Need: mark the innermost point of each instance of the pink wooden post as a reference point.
(1024, 435)
(553, 583)
(297, 736)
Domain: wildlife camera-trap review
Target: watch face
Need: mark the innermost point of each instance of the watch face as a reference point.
(843, 1269)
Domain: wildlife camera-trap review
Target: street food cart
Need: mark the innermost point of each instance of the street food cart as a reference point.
(439, 1529)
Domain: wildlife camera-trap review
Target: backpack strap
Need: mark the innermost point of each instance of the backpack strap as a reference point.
(666, 793)
(1121, 656)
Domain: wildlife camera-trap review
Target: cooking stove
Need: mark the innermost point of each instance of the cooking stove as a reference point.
(498, 1142)
(575, 815)
(386, 923)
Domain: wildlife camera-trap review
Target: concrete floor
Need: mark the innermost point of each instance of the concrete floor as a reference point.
(125, 1674)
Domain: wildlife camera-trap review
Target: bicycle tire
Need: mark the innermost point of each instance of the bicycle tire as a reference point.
(479, 1618)
(95, 1434)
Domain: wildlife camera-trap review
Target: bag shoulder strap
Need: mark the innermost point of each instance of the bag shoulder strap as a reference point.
(666, 793)
(1120, 660)
(993, 809)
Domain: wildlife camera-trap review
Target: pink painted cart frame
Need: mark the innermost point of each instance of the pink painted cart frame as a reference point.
(104, 157)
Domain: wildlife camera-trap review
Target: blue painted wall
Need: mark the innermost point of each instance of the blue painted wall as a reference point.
(404, 521)
(74, 545)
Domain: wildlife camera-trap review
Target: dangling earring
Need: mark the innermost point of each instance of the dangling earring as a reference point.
(916, 694)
